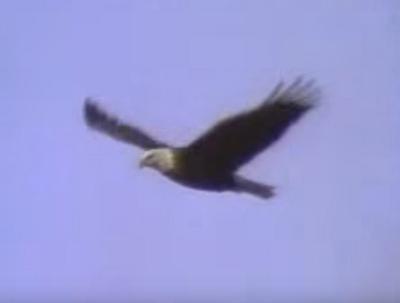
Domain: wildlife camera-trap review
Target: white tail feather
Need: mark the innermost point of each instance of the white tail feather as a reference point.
(260, 190)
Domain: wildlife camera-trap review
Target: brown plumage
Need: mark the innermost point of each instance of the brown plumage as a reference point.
(210, 161)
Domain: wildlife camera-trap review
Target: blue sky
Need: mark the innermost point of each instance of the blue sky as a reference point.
(80, 221)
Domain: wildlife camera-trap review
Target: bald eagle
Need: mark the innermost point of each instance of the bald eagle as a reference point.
(211, 161)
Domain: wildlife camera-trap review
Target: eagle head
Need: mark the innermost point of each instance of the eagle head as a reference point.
(161, 159)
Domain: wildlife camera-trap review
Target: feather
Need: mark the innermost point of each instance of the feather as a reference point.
(236, 140)
(260, 190)
(98, 119)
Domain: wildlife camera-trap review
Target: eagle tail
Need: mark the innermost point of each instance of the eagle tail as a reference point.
(260, 190)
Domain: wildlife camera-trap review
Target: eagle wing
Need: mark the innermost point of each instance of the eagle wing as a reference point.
(98, 119)
(236, 140)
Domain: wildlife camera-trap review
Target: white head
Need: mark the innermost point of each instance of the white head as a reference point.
(161, 159)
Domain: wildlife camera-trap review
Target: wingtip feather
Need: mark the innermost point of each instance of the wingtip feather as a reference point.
(92, 113)
(302, 91)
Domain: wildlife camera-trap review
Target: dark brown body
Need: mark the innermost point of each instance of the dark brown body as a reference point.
(196, 172)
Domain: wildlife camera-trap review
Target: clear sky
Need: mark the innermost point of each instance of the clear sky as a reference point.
(78, 220)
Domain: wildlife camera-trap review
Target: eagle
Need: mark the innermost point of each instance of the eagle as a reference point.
(211, 161)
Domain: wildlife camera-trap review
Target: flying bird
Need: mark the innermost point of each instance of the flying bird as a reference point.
(211, 161)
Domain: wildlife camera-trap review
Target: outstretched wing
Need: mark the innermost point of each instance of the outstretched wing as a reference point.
(98, 119)
(237, 139)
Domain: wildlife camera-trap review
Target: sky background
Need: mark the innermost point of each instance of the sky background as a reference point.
(79, 221)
